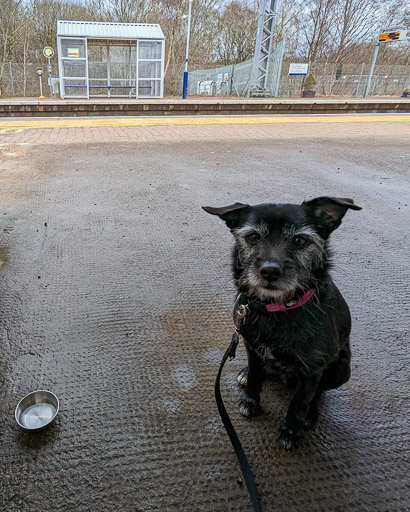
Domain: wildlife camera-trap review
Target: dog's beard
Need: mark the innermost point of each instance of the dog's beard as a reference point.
(281, 290)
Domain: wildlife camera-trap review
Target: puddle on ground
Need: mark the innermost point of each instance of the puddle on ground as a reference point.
(3, 257)
(184, 376)
(171, 404)
(213, 356)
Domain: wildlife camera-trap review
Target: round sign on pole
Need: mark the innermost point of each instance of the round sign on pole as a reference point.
(48, 52)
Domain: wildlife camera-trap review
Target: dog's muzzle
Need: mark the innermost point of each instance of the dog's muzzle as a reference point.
(271, 271)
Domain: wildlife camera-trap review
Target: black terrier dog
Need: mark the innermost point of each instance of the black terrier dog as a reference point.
(293, 319)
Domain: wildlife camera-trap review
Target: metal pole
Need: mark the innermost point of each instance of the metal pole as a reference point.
(259, 34)
(129, 71)
(263, 48)
(108, 71)
(49, 77)
(41, 87)
(279, 68)
(369, 78)
(360, 79)
(185, 84)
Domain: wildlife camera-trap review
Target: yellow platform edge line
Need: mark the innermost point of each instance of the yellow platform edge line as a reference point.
(90, 123)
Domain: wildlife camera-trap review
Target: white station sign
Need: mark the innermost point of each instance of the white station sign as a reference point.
(298, 69)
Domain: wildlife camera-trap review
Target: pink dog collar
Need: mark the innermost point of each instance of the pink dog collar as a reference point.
(275, 307)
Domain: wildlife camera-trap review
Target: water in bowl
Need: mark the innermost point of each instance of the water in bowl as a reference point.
(37, 415)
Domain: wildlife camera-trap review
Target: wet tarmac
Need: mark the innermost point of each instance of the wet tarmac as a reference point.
(116, 294)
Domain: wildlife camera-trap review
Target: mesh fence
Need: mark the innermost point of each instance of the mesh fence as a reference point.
(235, 76)
(238, 76)
(21, 80)
(387, 80)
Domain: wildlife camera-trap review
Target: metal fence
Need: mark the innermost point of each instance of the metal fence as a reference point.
(20, 79)
(239, 75)
(387, 80)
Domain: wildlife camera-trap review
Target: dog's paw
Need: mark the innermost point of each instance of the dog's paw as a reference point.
(243, 377)
(313, 414)
(288, 436)
(248, 406)
(311, 420)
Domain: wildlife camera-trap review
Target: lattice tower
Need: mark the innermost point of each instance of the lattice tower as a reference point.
(263, 46)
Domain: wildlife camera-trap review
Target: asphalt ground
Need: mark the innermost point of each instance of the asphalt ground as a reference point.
(116, 294)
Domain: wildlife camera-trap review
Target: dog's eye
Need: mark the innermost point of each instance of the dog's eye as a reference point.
(300, 240)
(253, 237)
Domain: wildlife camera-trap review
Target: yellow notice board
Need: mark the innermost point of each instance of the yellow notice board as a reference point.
(73, 52)
(389, 36)
(392, 35)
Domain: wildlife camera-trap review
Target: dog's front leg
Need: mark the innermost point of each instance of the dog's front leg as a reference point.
(295, 420)
(252, 379)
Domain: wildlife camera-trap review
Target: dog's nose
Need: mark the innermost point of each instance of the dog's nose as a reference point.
(271, 271)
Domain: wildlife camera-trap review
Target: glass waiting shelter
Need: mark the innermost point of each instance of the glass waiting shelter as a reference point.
(110, 60)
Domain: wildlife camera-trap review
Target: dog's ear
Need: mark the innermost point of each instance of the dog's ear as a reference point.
(329, 211)
(230, 214)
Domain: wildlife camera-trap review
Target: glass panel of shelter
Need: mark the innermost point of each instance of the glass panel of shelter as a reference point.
(98, 68)
(74, 67)
(149, 68)
(115, 68)
(111, 66)
(121, 59)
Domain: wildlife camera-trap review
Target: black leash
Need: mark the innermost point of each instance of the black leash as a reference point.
(243, 461)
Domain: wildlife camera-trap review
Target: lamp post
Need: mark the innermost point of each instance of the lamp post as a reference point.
(185, 84)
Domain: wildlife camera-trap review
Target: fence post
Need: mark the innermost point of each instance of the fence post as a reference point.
(360, 79)
(11, 78)
(369, 78)
(279, 68)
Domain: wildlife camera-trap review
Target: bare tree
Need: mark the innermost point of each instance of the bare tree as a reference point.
(123, 11)
(236, 32)
(326, 32)
(44, 15)
(318, 26)
(13, 27)
(175, 25)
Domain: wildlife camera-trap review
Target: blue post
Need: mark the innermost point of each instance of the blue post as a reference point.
(185, 83)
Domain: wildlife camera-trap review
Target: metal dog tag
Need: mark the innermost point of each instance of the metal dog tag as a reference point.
(242, 312)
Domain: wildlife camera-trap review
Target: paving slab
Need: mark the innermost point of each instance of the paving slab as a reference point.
(116, 294)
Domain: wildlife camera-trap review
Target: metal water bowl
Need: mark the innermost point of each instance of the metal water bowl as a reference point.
(37, 410)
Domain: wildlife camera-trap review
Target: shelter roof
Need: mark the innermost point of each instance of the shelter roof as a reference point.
(103, 30)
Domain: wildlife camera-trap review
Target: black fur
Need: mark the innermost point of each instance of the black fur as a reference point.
(281, 251)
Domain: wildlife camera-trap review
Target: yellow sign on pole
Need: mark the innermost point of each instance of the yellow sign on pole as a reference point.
(39, 72)
(393, 35)
(48, 52)
(389, 36)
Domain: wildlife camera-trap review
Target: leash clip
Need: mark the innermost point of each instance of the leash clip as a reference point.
(242, 312)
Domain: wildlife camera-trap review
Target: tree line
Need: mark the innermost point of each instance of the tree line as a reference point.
(222, 31)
